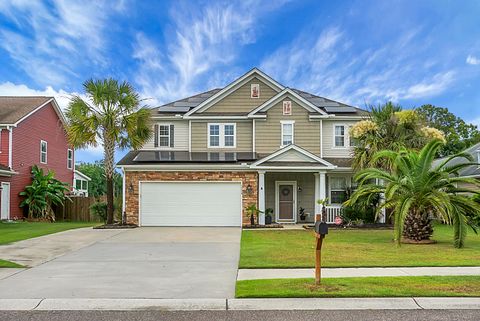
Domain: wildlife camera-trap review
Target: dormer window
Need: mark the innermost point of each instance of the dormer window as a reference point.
(255, 91)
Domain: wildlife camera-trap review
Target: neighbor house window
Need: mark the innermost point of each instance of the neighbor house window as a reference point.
(338, 190)
(221, 135)
(84, 185)
(78, 184)
(339, 136)
(287, 132)
(69, 158)
(43, 152)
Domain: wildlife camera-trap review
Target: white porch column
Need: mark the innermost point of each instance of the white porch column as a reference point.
(320, 190)
(261, 197)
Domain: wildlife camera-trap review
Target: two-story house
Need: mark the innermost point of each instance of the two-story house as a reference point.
(253, 141)
(32, 132)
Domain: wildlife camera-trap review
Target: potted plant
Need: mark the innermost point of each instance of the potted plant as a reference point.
(253, 211)
(268, 216)
(303, 216)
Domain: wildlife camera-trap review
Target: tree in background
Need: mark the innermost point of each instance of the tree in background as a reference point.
(458, 134)
(98, 185)
(112, 117)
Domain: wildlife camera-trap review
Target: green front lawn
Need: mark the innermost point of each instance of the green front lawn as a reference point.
(8, 264)
(18, 231)
(353, 248)
(404, 286)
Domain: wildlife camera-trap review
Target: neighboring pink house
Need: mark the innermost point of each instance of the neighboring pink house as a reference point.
(32, 132)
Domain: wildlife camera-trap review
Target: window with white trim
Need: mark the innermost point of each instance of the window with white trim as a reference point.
(43, 152)
(69, 158)
(338, 190)
(287, 132)
(164, 135)
(222, 135)
(339, 136)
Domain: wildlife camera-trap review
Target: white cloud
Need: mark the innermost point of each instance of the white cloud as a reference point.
(472, 60)
(49, 41)
(329, 68)
(205, 42)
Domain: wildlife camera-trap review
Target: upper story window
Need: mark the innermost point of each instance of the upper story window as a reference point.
(255, 91)
(339, 136)
(164, 135)
(287, 132)
(43, 152)
(221, 135)
(69, 158)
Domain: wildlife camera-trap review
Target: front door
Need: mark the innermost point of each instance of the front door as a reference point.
(286, 199)
(5, 202)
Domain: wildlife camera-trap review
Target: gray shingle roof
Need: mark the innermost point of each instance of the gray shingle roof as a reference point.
(468, 171)
(14, 108)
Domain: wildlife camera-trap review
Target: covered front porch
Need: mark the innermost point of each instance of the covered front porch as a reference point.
(291, 197)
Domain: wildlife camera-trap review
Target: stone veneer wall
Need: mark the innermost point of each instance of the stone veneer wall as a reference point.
(133, 177)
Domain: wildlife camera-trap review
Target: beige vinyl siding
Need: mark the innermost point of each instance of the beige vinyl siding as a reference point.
(306, 133)
(180, 136)
(329, 150)
(239, 101)
(243, 136)
(305, 197)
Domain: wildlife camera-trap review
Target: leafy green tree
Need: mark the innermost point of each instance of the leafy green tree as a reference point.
(44, 192)
(98, 185)
(417, 189)
(458, 134)
(112, 117)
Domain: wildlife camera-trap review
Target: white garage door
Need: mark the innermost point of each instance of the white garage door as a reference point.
(190, 203)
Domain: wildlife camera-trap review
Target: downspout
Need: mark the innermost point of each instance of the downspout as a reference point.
(10, 149)
(124, 214)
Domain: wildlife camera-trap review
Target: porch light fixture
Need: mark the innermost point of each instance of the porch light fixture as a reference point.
(130, 188)
(249, 189)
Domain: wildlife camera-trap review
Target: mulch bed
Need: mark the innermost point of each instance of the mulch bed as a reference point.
(356, 227)
(262, 226)
(115, 226)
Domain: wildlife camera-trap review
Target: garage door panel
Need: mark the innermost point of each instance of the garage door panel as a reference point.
(190, 204)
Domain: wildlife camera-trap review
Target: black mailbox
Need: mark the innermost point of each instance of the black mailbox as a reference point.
(321, 228)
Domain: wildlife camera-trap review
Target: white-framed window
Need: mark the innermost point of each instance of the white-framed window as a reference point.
(287, 107)
(287, 128)
(78, 184)
(339, 136)
(43, 152)
(255, 91)
(222, 135)
(164, 135)
(69, 158)
(338, 190)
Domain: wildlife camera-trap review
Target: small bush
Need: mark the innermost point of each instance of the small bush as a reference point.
(99, 210)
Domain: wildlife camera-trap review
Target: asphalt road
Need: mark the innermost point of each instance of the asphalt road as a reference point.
(370, 315)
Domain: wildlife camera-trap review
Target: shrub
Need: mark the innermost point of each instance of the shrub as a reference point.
(99, 210)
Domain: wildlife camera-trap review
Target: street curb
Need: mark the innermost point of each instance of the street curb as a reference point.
(75, 304)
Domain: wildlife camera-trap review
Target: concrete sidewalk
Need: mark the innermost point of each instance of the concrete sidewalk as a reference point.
(255, 274)
(75, 304)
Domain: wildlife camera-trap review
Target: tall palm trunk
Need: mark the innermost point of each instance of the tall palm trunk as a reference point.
(109, 163)
(417, 226)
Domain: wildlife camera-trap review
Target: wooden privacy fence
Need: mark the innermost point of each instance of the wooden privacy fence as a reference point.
(77, 210)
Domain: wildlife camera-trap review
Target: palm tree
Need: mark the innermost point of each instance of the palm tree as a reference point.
(112, 117)
(387, 127)
(417, 189)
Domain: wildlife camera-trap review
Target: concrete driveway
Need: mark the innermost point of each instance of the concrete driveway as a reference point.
(148, 262)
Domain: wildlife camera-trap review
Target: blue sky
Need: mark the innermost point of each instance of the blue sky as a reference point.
(359, 52)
